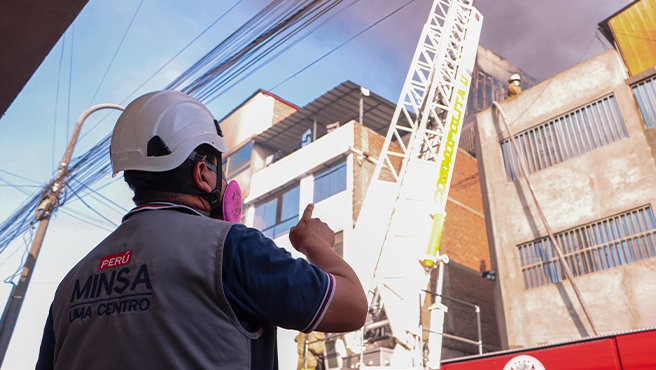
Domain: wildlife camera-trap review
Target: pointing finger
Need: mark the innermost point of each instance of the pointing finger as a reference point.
(308, 211)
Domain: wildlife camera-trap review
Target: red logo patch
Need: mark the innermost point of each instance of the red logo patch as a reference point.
(113, 260)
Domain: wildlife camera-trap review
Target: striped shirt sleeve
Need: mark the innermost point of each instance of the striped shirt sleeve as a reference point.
(265, 285)
(328, 298)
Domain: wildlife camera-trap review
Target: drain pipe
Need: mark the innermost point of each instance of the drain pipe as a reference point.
(568, 272)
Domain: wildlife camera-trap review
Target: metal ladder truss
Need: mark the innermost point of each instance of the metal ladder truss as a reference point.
(414, 170)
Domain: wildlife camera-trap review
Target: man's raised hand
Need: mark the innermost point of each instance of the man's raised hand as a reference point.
(311, 232)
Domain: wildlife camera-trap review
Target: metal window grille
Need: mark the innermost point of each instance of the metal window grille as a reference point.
(645, 94)
(570, 135)
(599, 245)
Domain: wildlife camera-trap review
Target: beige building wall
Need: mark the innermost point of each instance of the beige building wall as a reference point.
(261, 111)
(601, 183)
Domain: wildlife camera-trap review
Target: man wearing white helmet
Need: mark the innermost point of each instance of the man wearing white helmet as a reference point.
(180, 284)
(514, 87)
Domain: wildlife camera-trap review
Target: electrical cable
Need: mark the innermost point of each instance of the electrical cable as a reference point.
(116, 52)
(91, 208)
(92, 220)
(162, 67)
(268, 51)
(14, 186)
(23, 186)
(344, 43)
(283, 50)
(70, 82)
(27, 243)
(547, 85)
(20, 177)
(70, 214)
(54, 130)
(602, 43)
(635, 36)
(183, 49)
(123, 209)
(282, 25)
(9, 257)
(109, 183)
(279, 24)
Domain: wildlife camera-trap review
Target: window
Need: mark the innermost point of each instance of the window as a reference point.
(599, 245)
(330, 182)
(278, 214)
(239, 160)
(339, 243)
(645, 94)
(570, 135)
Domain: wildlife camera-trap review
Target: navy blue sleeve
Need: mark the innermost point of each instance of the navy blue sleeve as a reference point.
(47, 350)
(264, 284)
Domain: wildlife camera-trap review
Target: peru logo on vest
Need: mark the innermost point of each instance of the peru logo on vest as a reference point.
(113, 260)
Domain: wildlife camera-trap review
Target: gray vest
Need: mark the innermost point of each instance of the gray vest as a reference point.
(150, 296)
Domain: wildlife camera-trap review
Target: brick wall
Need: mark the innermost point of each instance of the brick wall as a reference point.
(367, 141)
(281, 111)
(465, 284)
(464, 241)
(464, 238)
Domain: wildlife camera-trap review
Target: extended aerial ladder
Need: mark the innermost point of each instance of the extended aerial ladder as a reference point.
(408, 192)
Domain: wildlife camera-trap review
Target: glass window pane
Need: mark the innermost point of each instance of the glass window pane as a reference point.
(317, 190)
(341, 178)
(240, 158)
(290, 204)
(334, 183)
(330, 182)
(270, 213)
(258, 222)
(325, 187)
(283, 227)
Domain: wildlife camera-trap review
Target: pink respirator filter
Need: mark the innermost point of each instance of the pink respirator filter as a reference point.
(232, 202)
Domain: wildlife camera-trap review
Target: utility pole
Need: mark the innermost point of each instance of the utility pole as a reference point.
(42, 214)
(363, 92)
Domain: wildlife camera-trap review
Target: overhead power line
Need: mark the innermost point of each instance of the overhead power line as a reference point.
(162, 67)
(20, 177)
(115, 53)
(342, 44)
(70, 83)
(281, 24)
(54, 130)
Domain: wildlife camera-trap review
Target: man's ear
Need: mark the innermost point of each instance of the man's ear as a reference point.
(201, 177)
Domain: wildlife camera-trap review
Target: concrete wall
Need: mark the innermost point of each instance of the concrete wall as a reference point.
(603, 182)
(464, 237)
(252, 117)
(465, 284)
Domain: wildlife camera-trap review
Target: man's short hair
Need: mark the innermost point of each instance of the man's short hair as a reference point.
(147, 186)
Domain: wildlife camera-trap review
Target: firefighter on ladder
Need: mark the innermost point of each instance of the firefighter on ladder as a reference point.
(315, 350)
(514, 87)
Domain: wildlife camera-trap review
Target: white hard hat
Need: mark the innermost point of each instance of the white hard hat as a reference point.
(159, 130)
(515, 77)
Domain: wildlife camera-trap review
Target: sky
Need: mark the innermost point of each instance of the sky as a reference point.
(543, 38)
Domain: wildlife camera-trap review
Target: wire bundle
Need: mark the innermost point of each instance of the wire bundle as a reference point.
(280, 23)
(80, 176)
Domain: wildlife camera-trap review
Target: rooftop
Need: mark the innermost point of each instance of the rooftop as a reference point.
(341, 104)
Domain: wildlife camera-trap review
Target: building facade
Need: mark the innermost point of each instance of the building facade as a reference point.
(322, 154)
(490, 84)
(591, 160)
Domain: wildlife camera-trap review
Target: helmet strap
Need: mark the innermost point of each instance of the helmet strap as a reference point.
(213, 197)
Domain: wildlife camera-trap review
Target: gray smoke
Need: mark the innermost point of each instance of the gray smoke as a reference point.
(544, 38)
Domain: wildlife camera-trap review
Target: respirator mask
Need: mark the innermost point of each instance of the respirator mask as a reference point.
(228, 208)
(231, 204)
